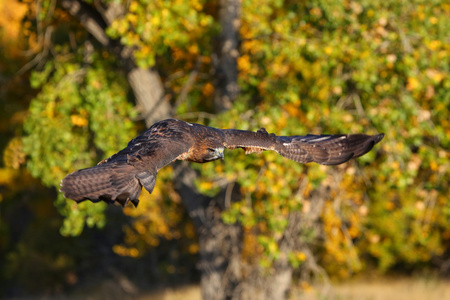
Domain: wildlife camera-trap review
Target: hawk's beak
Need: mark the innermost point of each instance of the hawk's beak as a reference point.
(220, 153)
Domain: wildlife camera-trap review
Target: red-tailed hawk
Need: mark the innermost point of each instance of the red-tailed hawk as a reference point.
(121, 177)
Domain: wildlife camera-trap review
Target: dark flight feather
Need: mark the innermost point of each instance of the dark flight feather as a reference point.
(121, 177)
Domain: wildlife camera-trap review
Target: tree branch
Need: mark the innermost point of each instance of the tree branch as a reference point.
(89, 18)
(146, 83)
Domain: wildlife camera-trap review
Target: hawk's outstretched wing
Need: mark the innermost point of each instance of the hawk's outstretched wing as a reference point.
(322, 149)
(121, 177)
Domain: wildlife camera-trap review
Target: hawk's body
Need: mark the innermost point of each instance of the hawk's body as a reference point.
(121, 176)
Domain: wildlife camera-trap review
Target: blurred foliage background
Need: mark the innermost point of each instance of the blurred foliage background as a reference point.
(303, 67)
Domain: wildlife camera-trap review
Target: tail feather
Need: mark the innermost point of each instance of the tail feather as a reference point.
(105, 182)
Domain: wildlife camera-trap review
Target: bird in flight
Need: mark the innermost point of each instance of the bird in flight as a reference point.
(121, 177)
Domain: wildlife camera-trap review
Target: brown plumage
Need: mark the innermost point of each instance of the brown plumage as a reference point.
(121, 177)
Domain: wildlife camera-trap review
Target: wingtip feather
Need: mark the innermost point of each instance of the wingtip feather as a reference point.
(108, 183)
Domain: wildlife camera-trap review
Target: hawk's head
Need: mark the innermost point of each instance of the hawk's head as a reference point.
(208, 149)
(214, 153)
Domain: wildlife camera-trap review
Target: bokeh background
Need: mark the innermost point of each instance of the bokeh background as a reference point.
(79, 79)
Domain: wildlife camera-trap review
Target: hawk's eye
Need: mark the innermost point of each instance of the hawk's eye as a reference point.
(211, 150)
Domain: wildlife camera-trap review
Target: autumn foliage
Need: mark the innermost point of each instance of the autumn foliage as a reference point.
(304, 67)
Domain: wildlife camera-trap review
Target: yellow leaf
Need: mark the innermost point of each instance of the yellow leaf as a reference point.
(196, 5)
(273, 247)
(7, 176)
(193, 49)
(133, 6)
(434, 45)
(433, 166)
(328, 50)
(193, 248)
(79, 121)
(133, 252)
(145, 50)
(433, 20)
(133, 19)
(292, 109)
(421, 16)
(204, 22)
(280, 69)
(156, 20)
(316, 12)
(301, 256)
(208, 89)
(219, 168)
(413, 84)
(205, 185)
(11, 15)
(244, 63)
(306, 287)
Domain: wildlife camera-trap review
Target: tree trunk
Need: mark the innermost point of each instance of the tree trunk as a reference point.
(149, 92)
(220, 248)
(220, 244)
(225, 58)
(279, 284)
